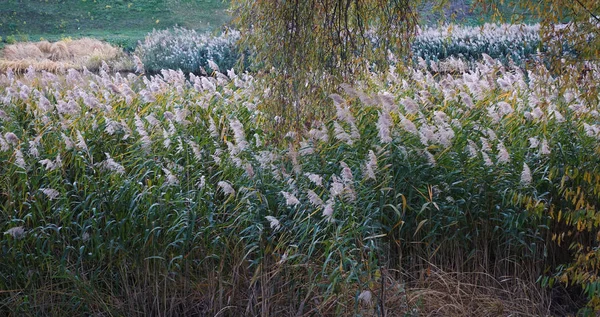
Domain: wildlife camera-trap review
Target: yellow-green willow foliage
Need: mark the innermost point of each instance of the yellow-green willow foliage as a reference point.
(309, 46)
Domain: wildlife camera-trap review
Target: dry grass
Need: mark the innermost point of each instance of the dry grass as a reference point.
(439, 293)
(58, 56)
(20, 66)
(91, 47)
(44, 46)
(433, 292)
(59, 51)
(22, 51)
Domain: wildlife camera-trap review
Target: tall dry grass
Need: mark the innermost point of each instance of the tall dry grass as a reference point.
(441, 293)
(21, 65)
(61, 55)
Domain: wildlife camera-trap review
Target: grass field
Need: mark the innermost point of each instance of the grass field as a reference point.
(462, 12)
(123, 22)
(117, 21)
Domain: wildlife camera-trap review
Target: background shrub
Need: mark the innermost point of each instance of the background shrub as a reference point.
(503, 42)
(187, 50)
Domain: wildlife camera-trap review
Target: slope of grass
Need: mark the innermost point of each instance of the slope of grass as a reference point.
(463, 12)
(118, 21)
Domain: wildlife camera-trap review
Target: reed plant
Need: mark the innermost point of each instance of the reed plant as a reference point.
(188, 50)
(165, 195)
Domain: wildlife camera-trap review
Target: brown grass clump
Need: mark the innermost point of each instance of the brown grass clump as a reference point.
(61, 55)
(44, 46)
(59, 52)
(439, 293)
(20, 66)
(22, 51)
(87, 47)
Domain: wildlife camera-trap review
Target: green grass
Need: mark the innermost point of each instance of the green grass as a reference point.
(117, 21)
(124, 22)
(462, 12)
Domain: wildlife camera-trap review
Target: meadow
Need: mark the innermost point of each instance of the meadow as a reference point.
(464, 183)
(118, 22)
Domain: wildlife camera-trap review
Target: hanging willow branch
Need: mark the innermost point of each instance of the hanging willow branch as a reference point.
(594, 16)
(327, 33)
(313, 45)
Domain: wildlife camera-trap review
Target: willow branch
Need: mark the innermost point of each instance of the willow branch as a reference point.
(588, 11)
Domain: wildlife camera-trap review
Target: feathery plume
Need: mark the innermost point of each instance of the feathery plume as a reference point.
(202, 182)
(110, 165)
(533, 142)
(145, 138)
(273, 222)
(315, 179)
(171, 179)
(19, 160)
(503, 156)
(491, 134)
(50, 165)
(427, 134)
(195, 150)
(238, 134)
(328, 210)
(50, 193)
(16, 232)
(166, 139)
(212, 128)
(337, 187)
(81, 142)
(467, 100)
(226, 187)
(126, 129)
(430, 158)
(139, 66)
(320, 134)
(504, 108)
(366, 297)
(347, 176)
(3, 144)
(213, 65)
(110, 126)
(290, 199)
(485, 146)
(314, 199)
(306, 148)
(341, 134)
(257, 141)
(249, 170)
(410, 105)
(11, 138)
(486, 159)
(384, 123)
(408, 125)
(472, 148)
(33, 147)
(526, 175)
(152, 120)
(545, 148)
(494, 114)
(370, 166)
